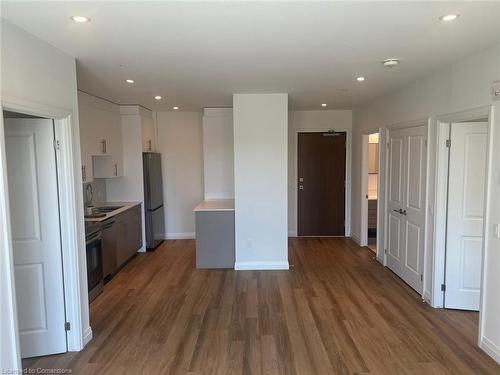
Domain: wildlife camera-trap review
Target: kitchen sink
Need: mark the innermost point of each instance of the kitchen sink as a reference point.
(109, 208)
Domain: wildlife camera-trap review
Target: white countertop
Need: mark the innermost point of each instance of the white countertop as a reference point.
(126, 206)
(372, 197)
(215, 205)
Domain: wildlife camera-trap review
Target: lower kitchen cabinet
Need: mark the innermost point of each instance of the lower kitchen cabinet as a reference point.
(121, 239)
(128, 234)
(108, 229)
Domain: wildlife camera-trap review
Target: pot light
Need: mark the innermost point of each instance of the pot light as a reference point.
(129, 80)
(175, 108)
(360, 79)
(323, 105)
(80, 19)
(390, 63)
(449, 17)
(158, 97)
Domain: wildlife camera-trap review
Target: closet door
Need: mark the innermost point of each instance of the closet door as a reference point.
(406, 203)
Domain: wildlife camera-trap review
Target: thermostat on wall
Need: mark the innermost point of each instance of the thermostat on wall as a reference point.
(495, 89)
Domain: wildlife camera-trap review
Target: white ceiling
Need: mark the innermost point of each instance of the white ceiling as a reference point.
(197, 54)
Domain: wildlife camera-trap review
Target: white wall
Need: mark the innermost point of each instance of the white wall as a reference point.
(37, 76)
(260, 175)
(458, 87)
(9, 340)
(180, 143)
(322, 120)
(218, 153)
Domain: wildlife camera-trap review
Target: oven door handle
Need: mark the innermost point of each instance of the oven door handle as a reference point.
(93, 237)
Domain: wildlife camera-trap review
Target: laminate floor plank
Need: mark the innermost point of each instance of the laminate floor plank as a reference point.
(336, 311)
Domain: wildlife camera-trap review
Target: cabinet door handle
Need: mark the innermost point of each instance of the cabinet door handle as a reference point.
(103, 146)
(116, 169)
(150, 145)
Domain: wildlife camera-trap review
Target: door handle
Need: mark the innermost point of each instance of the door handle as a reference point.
(103, 146)
(116, 169)
(401, 211)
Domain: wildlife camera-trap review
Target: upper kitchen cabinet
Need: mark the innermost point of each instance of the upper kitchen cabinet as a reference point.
(141, 119)
(148, 134)
(100, 137)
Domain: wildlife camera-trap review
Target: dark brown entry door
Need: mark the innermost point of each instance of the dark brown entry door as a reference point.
(321, 184)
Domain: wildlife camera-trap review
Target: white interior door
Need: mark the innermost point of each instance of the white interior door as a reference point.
(464, 240)
(395, 201)
(406, 203)
(34, 209)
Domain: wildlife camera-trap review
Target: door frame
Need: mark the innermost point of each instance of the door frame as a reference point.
(439, 261)
(398, 126)
(72, 229)
(347, 206)
(363, 237)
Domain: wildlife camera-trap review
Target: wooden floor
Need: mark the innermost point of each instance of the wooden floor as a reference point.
(337, 311)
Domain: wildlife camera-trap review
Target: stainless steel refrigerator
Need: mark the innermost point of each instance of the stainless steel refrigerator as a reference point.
(153, 199)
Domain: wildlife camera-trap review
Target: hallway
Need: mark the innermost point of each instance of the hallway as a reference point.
(336, 311)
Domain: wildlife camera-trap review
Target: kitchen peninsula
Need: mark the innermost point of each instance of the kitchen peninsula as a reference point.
(215, 233)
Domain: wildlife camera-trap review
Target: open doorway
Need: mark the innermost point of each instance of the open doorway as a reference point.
(32, 174)
(370, 172)
(463, 153)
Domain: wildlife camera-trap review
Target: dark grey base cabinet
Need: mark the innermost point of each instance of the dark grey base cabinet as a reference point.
(215, 239)
(128, 234)
(121, 238)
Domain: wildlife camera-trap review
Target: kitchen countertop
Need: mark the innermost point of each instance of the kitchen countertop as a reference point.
(126, 206)
(372, 197)
(215, 205)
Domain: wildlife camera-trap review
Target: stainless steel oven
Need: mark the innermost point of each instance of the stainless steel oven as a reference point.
(94, 263)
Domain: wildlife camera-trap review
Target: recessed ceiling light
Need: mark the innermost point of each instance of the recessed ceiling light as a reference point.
(449, 17)
(360, 79)
(80, 19)
(158, 97)
(323, 105)
(390, 63)
(175, 108)
(129, 80)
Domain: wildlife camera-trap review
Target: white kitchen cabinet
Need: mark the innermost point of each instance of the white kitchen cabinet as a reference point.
(148, 134)
(101, 138)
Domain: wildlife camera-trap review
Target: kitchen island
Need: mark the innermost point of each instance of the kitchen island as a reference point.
(215, 233)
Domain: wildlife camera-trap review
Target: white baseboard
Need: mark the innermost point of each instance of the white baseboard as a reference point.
(261, 266)
(427, 297)
(87, 336)
(490, 348)
(180, 236)
(356, 239)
